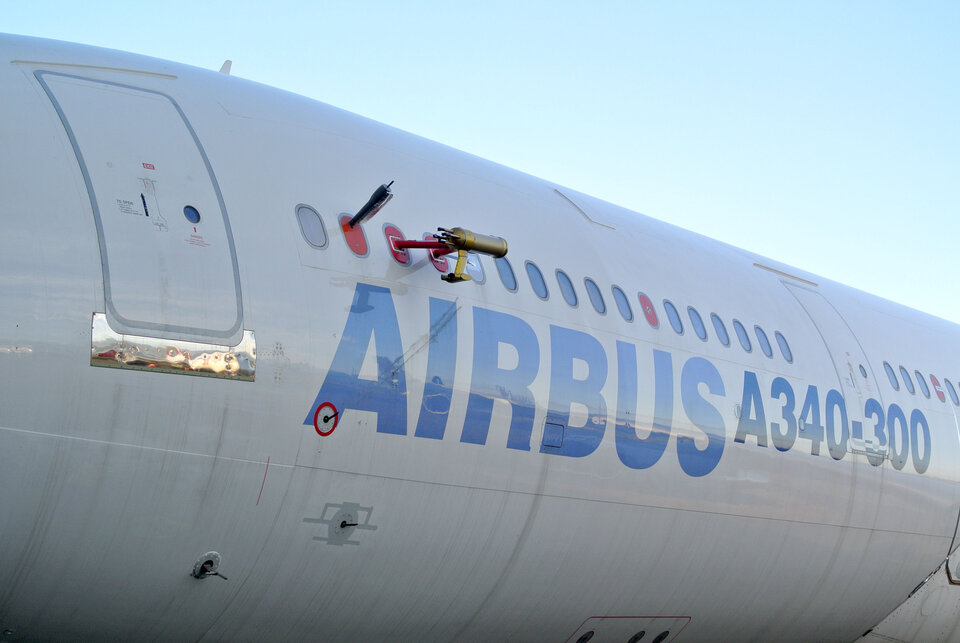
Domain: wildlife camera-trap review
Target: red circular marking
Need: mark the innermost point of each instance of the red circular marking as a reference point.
(333, 413)
(355, 238)
(439, 262)
(938, 388)
(392, 233)
(648, 310)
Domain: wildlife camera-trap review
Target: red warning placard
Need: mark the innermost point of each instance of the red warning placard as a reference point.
(648, 311)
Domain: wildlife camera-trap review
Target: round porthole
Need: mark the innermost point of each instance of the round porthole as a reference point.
(192, 214)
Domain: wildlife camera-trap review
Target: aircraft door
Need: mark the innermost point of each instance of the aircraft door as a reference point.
(166, 248)
(953, 557)
(856, 378)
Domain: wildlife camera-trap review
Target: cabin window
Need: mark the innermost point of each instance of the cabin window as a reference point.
(566, 288)
(742, 336)
(536, 280)
(311, 226)
(922, 381)
(475, 269)
(892, 376)
(905, 376)
(784, 346)
(505, 270)
(673, 316)
(764, 342)
(720, 328)
(623, 304)
(649, 312)
(697, 323)
(595, 297)
(192, 214)
(953, 392)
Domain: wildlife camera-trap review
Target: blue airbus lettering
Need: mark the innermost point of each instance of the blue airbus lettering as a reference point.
(577, 412)
(441, 367)
(372, 317)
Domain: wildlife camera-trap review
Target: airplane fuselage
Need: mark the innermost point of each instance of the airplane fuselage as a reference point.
(377, 453)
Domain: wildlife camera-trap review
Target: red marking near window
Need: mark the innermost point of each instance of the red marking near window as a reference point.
(394, 235)
(148, 166)
(648, 310)
(355, 238)
(938, 388)
(439, 261)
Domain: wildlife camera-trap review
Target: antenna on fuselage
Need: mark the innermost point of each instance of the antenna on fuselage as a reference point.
(377, 200)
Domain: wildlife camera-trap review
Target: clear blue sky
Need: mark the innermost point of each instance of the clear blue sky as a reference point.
(822, 134)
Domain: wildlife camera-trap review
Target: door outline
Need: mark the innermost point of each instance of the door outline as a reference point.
(196, 332)
(792, 288)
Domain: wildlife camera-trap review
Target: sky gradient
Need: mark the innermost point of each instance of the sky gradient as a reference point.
(821, 134)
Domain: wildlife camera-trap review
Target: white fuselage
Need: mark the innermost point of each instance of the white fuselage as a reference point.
(517, 468)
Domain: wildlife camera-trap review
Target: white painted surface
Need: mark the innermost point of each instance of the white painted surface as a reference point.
(113, 482)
